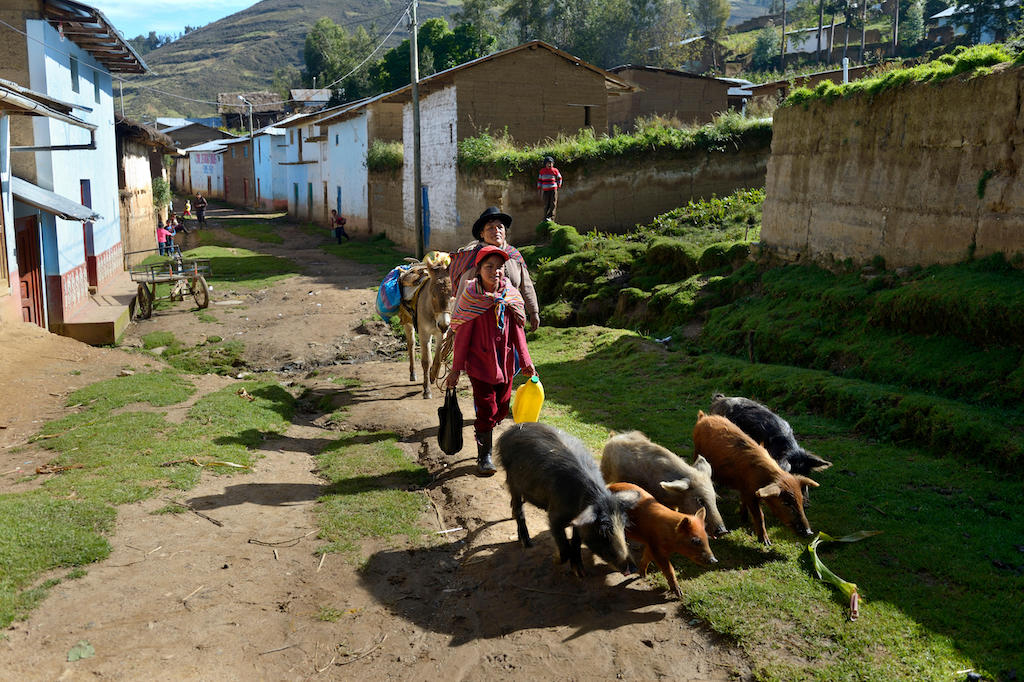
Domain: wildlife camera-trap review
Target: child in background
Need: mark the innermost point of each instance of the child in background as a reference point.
(162, 236)
(489, 331)
(548, 183)
(338, 223)
(188, 209)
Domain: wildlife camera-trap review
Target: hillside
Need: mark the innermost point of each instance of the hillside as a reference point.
(241, 51)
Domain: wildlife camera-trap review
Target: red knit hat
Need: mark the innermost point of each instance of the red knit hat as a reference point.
(489, 251)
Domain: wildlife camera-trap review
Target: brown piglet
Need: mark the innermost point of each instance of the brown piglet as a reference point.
(738, 462)
(664, 532)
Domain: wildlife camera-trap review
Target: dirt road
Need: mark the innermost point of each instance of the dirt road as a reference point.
(183, 598)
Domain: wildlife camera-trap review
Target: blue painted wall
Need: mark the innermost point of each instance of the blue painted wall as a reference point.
(63, 171)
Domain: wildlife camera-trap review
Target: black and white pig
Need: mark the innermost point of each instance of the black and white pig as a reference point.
(632, 458)
(770, 430)
(554, 471)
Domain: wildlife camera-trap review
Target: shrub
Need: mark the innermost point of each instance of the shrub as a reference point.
(385, 156)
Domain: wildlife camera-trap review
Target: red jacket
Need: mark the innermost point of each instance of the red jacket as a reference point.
(484, 352)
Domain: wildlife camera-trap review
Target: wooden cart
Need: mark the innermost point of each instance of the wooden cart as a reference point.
(185, 275)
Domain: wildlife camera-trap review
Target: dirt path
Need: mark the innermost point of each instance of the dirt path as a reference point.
(182, 598)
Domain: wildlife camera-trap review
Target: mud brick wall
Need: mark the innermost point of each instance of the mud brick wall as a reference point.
(613, 196)
(919, 175)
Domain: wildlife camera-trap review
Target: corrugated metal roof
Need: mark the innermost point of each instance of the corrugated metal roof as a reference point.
(51, 202)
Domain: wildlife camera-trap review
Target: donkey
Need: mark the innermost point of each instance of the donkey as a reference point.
(426, 310)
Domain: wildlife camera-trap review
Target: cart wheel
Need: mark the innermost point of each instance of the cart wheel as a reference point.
(200, 291)
(144, 302)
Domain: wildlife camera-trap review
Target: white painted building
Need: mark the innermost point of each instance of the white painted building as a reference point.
(349, 133)
(206, 169)
(439, 151)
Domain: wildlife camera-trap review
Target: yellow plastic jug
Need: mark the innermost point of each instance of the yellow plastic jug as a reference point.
(528, 401)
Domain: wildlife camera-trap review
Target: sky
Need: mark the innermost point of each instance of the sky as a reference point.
(132, 17)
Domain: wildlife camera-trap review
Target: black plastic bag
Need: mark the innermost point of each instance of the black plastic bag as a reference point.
(449, 432)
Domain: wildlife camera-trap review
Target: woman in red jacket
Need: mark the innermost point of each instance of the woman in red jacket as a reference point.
(489, 331)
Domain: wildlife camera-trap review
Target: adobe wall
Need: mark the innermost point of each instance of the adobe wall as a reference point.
(691, 99)
(613, 196)
(900, 175)
(533, 93)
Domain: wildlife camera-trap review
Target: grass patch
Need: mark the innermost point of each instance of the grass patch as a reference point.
(242, 267)
(261, 231)
(213, 356)
(373, 491)
(729, 131)
(378, 250)
(120, 451)
(347, 382)
(935, 583)
(204, 316)
(328, 614)
(652, 277)
(974, 61)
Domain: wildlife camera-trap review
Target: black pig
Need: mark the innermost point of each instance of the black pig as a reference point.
(769, 429)
(554, 471)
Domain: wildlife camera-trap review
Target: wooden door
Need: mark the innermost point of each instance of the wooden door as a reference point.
(30, 275)
(87, 236)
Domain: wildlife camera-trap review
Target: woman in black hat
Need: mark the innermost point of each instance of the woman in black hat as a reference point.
(491, 228)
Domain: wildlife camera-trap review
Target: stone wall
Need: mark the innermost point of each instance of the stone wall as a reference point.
(919, 175)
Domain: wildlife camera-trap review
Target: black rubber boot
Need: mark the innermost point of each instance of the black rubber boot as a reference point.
(484, 465)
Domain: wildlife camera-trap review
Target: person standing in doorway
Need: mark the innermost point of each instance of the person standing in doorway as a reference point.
(338, 223)
(201, 210)
(548, 183)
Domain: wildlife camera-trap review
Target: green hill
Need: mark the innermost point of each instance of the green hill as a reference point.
(241, 51)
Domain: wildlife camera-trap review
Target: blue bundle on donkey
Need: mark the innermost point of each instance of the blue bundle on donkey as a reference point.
(421, 294)
(389, 295)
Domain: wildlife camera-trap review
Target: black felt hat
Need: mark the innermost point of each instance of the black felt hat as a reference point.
(490, 213)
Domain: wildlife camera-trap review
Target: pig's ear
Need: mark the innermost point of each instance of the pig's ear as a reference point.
(627, 498)
(701, 513)
(587, 516)
(817, 463)
(701, 464)
(770, 490)
(806, 481)
(700, 414)
(677, 486)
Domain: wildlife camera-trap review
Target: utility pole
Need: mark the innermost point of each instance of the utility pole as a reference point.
(120, 85)
(417, 181)
(863, 27)
(252, 154)
(895, 26)
(782, 45)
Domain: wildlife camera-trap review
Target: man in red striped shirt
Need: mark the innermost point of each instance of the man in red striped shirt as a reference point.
(548, 183)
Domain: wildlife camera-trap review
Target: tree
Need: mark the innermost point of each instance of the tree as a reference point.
(913, 24)
(711, 17)
(997, 17)
(766, 46)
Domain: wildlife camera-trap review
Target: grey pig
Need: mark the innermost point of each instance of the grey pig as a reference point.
(632, 458)
(554, 471)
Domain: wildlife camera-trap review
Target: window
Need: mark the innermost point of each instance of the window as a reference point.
(232, 152)
(291, 137)
(96, 85)
(586, 115)
(336, 139)
(74, 74)
(245, 152)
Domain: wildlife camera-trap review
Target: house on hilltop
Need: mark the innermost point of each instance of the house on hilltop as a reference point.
(61, 251)
(565, 94)
(669, 93)
(267, 107)
(306, 100)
